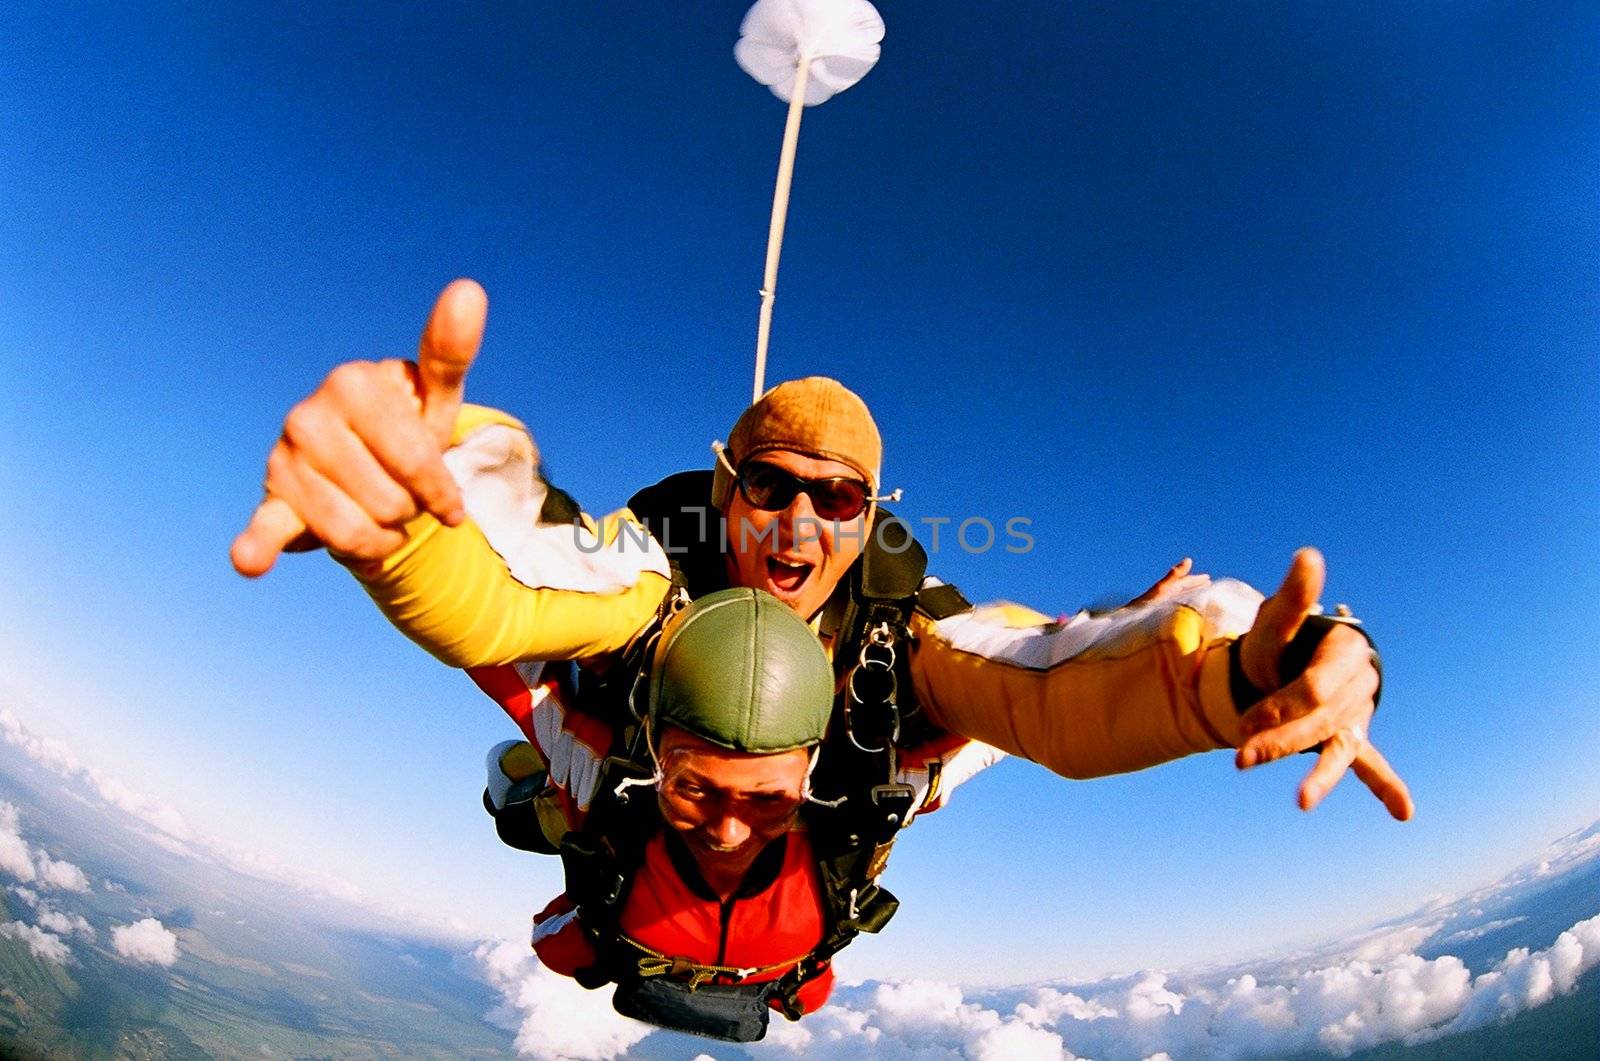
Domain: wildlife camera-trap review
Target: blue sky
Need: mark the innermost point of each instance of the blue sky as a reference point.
(1168, 280)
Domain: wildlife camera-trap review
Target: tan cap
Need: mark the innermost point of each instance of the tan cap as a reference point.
(816, 416)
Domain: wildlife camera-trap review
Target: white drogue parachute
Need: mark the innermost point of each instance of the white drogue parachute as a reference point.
(806, 51)
(830, 43)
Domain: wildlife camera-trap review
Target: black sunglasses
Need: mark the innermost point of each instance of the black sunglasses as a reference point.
(772, 489)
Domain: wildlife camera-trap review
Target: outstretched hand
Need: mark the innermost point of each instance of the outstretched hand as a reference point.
(1330, 704)
(365, 452)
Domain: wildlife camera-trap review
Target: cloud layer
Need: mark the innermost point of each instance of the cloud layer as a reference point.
(1335, 1009)
(32, 865)
(1373, 989)
(164, 827)
(1406, 980)
(143, 942)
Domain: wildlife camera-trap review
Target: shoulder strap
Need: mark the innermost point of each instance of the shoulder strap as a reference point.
(869, 623)
(941, 601)
(601, 859)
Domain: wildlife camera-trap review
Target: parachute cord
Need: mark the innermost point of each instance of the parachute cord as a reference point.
(654, 779)
(806, 795)
(780, 214)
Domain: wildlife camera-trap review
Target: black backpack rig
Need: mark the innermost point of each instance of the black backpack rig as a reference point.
(858, 806)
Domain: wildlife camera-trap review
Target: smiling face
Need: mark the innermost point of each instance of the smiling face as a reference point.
(795, 555)
(727, 805)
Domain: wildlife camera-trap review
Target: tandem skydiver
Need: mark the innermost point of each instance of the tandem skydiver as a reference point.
(442, 512)
(705, 879)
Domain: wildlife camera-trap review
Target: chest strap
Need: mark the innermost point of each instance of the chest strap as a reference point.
(653, 963)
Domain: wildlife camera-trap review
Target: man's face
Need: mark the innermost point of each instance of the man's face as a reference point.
(795, 555)
(728, 805)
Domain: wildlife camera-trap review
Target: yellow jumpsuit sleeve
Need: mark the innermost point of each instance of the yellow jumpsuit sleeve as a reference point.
(1091, 696)
(505, 586)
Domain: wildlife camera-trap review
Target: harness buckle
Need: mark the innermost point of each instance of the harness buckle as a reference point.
(894, 801)
(893, 795)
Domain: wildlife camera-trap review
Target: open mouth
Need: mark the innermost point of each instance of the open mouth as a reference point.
(787, 576)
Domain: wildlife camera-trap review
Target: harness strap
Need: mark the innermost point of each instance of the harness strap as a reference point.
(654, 963)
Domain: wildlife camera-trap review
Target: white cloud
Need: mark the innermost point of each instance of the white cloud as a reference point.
(16, 858)
(145, 808)
(64, 924)
(1479, 931)
(63, 875)
(167, 843)
(554, 1018)
(1524, 979)
(57, 757)
(28, 863)
(145, 941)
(915, 1019)
(46, 751)
(1391, 943)
(43, 944)
(50, 918)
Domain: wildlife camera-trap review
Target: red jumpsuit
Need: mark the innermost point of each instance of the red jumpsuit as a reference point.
(771, 922)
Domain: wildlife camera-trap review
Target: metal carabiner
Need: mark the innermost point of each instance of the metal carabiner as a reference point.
(891, 701)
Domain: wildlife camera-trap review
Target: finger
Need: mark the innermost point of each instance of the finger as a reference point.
(336, 520)
(383, 490)
(380, 405)
(450, 342)
(273, 526)
(1298, 594)
(409, 454)
(1176, 580)
(1376, 773)
(1337, 754)
(1313, 710)
(378, 452)
(1291, 737)
(1281, 615)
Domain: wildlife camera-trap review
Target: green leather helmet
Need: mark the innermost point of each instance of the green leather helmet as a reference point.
(744, 672)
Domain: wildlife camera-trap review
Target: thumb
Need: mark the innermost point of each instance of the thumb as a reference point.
(272, 529)
(1281, 615)
(450, 341)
